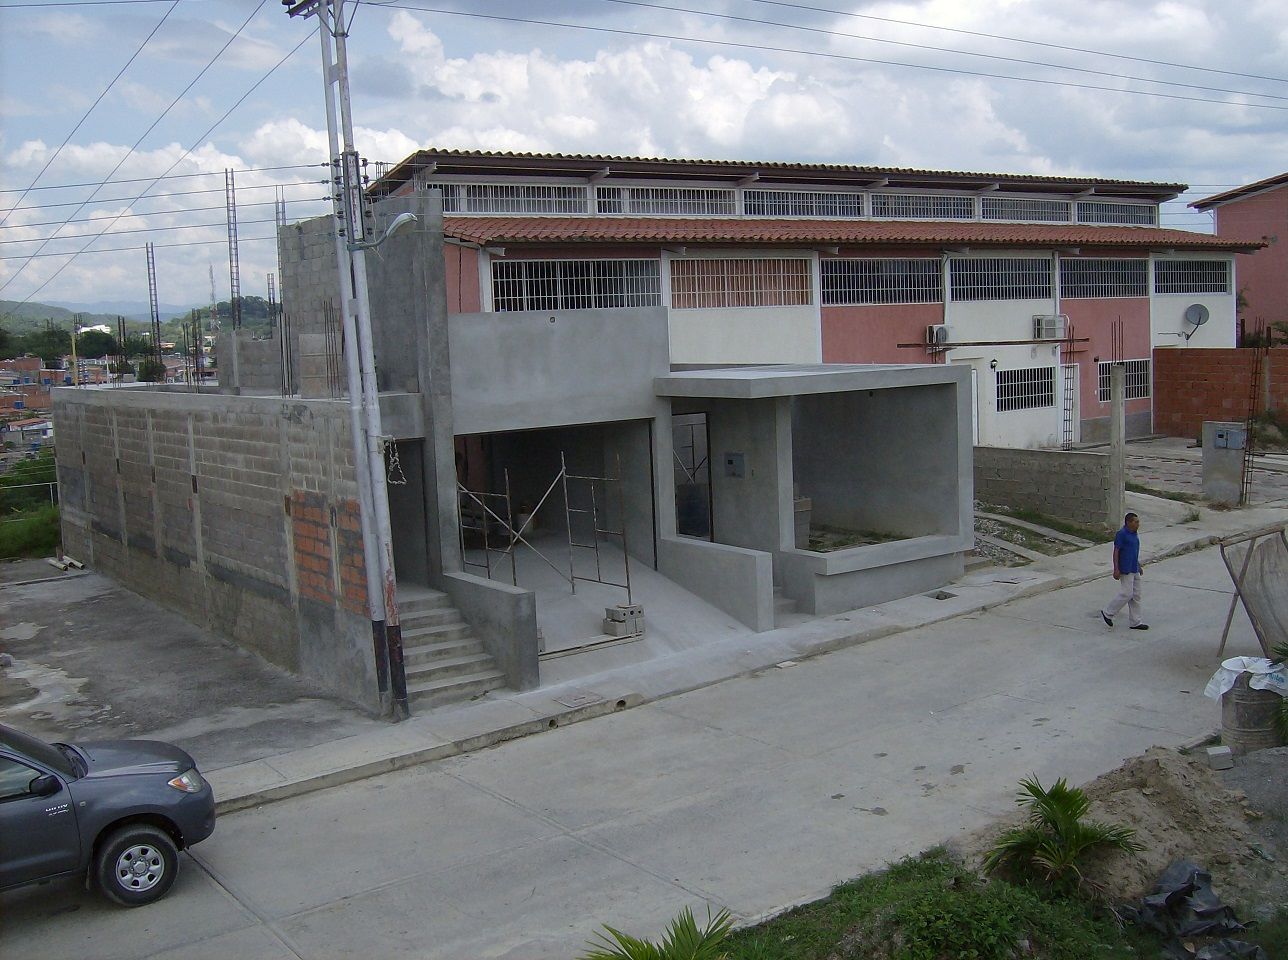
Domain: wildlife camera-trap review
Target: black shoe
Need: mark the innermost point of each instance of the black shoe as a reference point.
(1141, 626)
(1108, 619)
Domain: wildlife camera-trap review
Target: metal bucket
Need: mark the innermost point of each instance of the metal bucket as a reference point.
(1248, 717)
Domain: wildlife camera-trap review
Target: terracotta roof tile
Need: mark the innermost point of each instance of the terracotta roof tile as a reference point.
(1250, 188)
(848, 232)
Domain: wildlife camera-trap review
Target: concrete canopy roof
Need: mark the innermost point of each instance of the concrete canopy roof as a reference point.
(795, 380)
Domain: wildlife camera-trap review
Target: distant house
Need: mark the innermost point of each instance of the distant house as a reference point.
(1257, 212)
(32, 430)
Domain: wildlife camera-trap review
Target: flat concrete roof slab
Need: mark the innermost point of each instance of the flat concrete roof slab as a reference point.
(791, 380)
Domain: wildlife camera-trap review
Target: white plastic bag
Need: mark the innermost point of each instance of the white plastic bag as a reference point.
(1265, 676)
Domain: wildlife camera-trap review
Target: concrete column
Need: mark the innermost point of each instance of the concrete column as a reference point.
(1117, 445)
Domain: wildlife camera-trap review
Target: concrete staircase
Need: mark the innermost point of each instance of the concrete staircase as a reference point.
(444, 661)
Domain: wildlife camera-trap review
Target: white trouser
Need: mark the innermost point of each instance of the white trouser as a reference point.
(1129, 594)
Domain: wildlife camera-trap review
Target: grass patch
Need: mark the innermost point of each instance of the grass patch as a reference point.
(35, 533)
(824, 539)
(1272, 935)
(1176, 495)
(929, 907)
(1092, 535)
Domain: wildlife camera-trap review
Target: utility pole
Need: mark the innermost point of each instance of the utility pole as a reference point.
(360, 366)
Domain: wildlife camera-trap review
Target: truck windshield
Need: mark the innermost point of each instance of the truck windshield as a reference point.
(37, 750)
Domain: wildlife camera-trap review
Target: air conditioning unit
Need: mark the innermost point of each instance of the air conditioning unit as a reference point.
(937, 334)
(1049, 326)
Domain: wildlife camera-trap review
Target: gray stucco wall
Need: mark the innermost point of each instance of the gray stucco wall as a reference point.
(753, 510)
(883, 461)
(736, 580)
(238, 512)
(1096, 429)
(1070, 485)
(520, 370)
(505, 619)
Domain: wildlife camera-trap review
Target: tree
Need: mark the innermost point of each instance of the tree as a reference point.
(50, 344)
(151, 371)
(96, 343)
(137, 345)
(8, 344)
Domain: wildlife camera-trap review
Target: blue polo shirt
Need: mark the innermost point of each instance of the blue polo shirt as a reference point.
(1128, 546)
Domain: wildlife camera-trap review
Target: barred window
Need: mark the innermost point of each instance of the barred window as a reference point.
(1086, 277)
(667, 201)
(1000, 278)
(1025, 209)
(873, 280)
(1137, 380)
(922, 206)
(776, 282)
(512, 198)
(1135, 214)
(1191, 276)
(1025, 389)
(575, 284)
(801, 203)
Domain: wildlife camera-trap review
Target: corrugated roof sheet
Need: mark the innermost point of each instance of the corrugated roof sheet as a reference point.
(1243, 191)
(848, 232)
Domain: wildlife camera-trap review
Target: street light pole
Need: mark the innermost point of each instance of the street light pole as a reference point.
(360, 366)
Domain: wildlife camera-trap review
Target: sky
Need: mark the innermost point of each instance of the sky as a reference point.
(162, 97)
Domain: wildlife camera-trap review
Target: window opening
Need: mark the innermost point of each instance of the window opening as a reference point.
(879, 280)
(736, 282)
(1000, 278)
(1025, 389)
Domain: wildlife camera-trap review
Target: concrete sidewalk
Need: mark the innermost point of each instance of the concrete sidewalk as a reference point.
(755, 794)
(505, 716)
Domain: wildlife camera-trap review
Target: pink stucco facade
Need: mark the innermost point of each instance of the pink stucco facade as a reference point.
(1261, 277)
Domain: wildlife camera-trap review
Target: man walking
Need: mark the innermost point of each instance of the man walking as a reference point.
(1127, 571)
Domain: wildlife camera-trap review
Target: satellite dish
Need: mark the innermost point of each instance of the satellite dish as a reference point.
(1196, 314)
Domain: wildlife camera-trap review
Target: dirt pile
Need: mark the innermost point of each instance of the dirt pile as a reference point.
(1181, 810)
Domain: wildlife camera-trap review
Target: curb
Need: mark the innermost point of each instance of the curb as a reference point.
(539, 724)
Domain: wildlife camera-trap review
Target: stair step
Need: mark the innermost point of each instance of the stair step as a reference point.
(420, 602)
(428, 618)
(417, 636)
(784, 605)
(429, 652)
(433, 693)
(449, 667)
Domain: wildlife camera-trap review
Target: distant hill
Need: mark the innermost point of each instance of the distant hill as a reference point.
(22, 318)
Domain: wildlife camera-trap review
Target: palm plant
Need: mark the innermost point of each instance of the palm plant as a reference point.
(683, 941)
(1056, 838)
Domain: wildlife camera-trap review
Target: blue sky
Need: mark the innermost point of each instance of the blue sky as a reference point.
(602, 76)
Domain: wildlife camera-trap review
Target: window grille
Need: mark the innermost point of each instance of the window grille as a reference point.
(1000, 278)
(512, 198)
(801, 203)
(1026, 389)
(1137, 380)
(873, 280)
(1191, 276)
(667, 201)
(1135, 214)
(1089, 277)
(575, 284)
(922, 206)
(1025, 209)
(776, 282)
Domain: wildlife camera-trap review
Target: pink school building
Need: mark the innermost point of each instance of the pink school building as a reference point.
(1030, 281)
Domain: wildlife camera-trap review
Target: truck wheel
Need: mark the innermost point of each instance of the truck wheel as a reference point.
(136, 864)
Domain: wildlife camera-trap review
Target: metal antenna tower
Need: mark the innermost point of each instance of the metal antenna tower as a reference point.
(234, 268)
(152, 305)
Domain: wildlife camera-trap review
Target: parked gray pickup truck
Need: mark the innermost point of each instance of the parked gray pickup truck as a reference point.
(117, 812)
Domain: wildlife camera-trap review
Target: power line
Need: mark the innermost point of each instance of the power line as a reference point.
(816, 53)
(75, 3)
(948, 50)
(97, 101)
(240, 100)
(1034, 43)
(117, 233)
(153, 125)
(161, 213)
(181, 193)
(180, 176)
(158, 246)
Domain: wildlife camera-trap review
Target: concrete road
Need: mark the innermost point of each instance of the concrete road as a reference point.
(755, 794)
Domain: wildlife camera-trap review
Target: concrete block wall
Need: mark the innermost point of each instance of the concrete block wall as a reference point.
(1191, 386)
(239, 512)
(258, 367)
(1071, 485)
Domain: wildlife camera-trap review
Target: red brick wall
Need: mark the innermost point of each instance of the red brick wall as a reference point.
(1191, 386)
(311, 529)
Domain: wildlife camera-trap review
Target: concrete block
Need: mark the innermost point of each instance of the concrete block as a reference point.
(624, 611)
(1220, 758)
